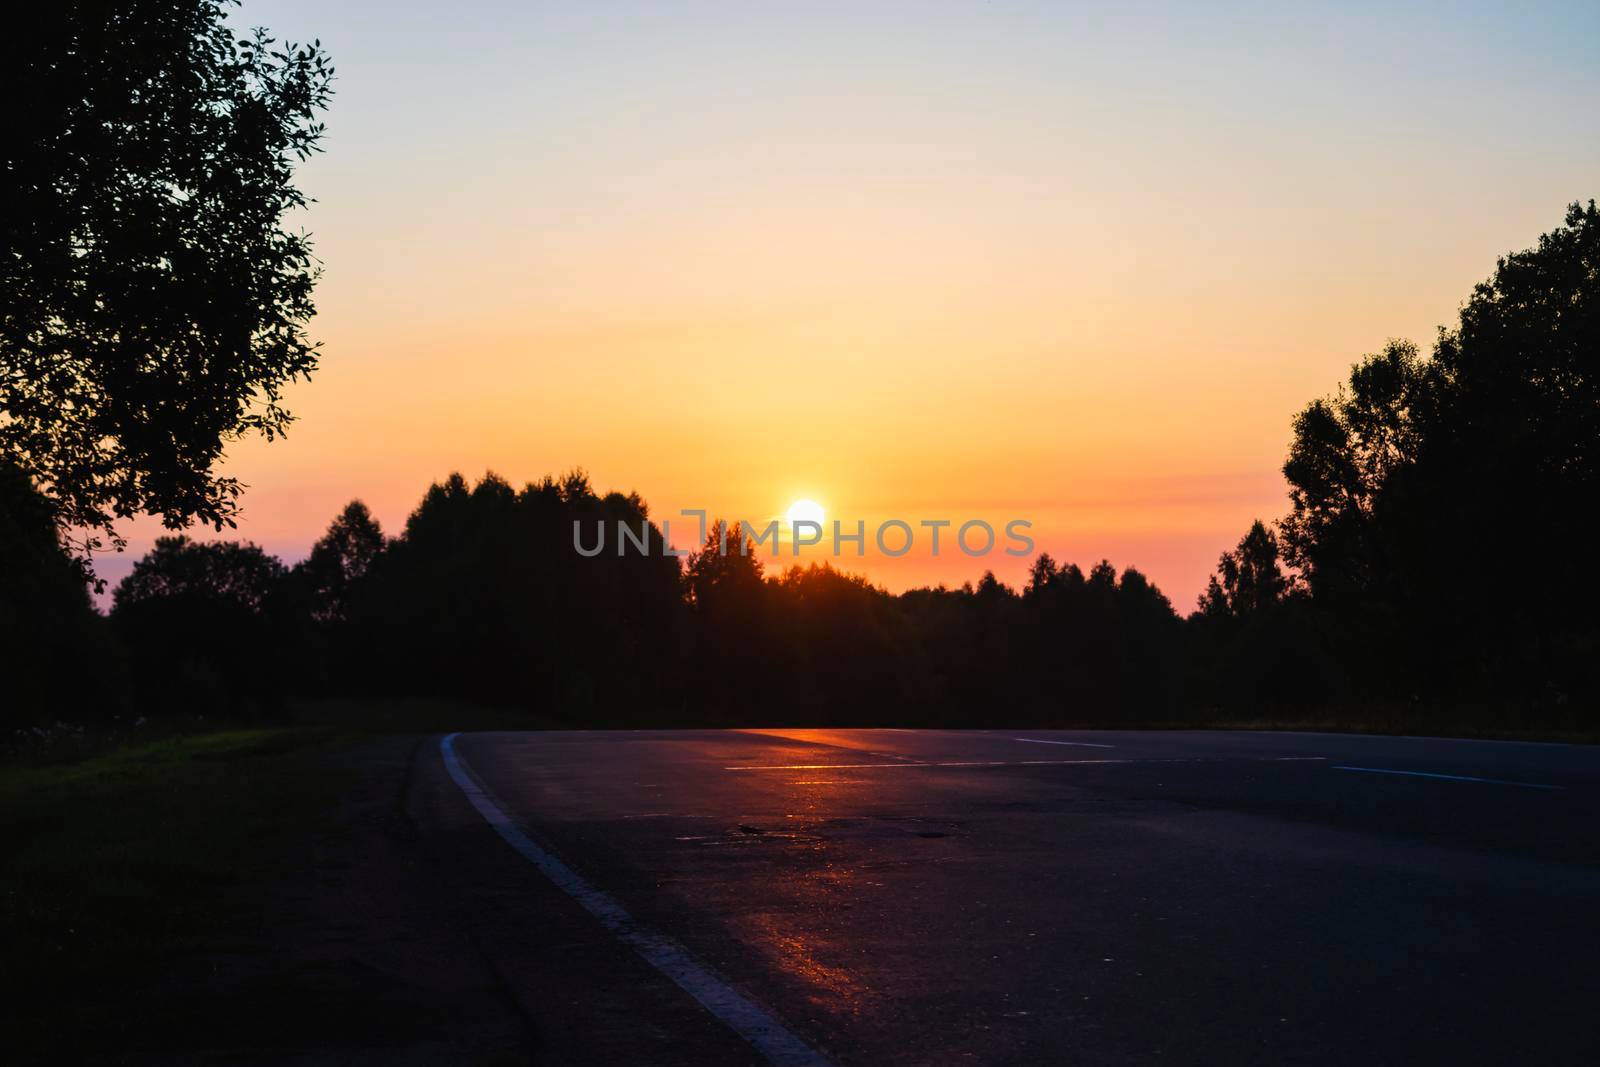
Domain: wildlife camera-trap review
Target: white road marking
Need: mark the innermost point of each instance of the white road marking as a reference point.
(743, 1016)
(665, 815)
(942, 763)
(1450, 777)
(1079, 744)
(1424, 737)
(971, 763)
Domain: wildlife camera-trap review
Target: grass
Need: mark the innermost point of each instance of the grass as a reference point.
(115, 862)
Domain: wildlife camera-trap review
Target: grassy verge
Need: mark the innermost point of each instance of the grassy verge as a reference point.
(114, 863)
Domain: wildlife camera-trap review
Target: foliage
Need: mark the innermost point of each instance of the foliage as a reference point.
(483, 595)
(1420, 490)
(206, 625)
(1253, 643)
(55, 657)
(338, 562)
(152, 304)
(222, 572)
(1248, 580)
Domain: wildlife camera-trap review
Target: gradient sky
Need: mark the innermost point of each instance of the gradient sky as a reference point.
(1075, 264)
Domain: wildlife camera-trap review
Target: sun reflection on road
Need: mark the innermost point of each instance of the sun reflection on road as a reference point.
(829, 986)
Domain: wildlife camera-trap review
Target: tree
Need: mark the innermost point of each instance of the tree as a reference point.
(483, 596)
(1424, 474)
(734, 648)
(205, 627)
(1248, 579)
(841, 648)
(339, 561)
(152, 304)
(724, 571)
(237, 574)
(1346, 453)
(54, 656)
(1042, 574)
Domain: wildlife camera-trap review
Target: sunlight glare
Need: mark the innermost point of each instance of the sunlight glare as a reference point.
(804, 511)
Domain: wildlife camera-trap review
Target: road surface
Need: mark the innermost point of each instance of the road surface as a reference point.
(890, 896)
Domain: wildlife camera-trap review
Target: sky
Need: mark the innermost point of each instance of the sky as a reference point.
(1073, 264)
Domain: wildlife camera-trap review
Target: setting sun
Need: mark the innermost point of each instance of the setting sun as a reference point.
(804, 511)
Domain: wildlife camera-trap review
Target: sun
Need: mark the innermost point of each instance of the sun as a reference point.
(804, 511)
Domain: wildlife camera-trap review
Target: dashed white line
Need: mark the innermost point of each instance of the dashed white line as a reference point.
(961, 763)
(743, 1016)
(1078, 744)
(1450, 777)
(942, 763)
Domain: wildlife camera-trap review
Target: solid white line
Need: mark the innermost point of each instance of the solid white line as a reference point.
(1079, 744)
(1450, 777)
(744, 1017)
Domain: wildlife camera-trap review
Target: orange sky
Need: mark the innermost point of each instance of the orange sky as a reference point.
(933, 262)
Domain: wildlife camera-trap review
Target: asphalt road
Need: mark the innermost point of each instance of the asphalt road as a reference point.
(887, 896)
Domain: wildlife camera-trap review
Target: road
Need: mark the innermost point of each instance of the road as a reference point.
(888, 896)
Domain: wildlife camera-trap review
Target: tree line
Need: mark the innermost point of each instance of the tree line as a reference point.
(1436, 551)
(481, 597)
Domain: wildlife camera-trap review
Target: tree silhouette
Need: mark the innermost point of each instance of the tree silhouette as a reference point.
(1042, 573)
(338, 561)
(733, 642)
(1253, 643)
(723, 570)
(1408, 483)
(1248, 580)
(483, 597)
(207, 627)
(1347, 453)
(225, 572)
(152, 304)
(55, 657)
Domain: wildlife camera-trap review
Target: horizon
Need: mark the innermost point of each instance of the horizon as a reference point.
(1000, 262)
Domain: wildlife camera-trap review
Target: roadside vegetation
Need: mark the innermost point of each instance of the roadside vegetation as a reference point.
(118, 864)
